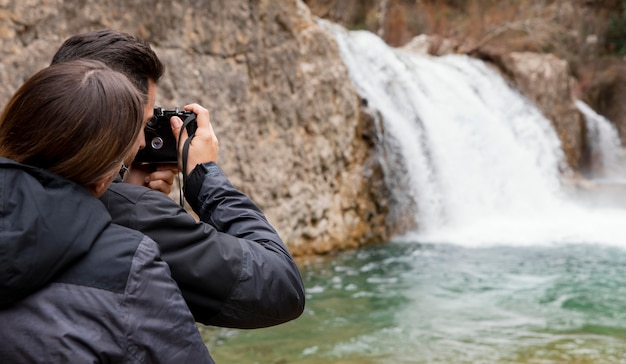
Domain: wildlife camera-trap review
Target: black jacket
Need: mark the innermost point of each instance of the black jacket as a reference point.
(232, 267)
(76, 288)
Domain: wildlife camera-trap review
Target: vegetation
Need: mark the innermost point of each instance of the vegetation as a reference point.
(616, 32)
(572, 29)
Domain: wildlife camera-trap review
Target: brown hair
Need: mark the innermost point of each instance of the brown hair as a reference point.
(122, 52)
(77, 119)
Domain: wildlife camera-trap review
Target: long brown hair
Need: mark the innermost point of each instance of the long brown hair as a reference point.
(77, 119)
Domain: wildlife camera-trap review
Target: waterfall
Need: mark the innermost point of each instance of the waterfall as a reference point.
(607, 154)
(481, 163)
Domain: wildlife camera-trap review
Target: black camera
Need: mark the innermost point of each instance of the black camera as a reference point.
(160, 141)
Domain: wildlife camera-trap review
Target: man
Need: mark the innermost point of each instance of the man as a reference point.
(232, 267)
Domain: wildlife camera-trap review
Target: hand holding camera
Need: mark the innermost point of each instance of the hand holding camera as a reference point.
(156, 165)
(203, 146)
(160, 141)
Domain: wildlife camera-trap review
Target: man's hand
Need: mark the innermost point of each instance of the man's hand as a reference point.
(204, 146)
(158, 177)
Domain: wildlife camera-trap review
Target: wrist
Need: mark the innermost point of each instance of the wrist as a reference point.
(208, 168)
(195, 180)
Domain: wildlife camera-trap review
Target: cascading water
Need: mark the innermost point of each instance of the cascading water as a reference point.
(484, 166)
(607, 155)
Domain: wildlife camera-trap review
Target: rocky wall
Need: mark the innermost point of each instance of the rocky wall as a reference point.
(291, 131)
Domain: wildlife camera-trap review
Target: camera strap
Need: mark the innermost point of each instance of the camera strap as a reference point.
(184, 153)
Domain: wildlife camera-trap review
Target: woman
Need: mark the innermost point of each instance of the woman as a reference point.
(73, 286)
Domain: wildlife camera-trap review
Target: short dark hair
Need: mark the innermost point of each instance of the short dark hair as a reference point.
(77, 119)
(122, 52)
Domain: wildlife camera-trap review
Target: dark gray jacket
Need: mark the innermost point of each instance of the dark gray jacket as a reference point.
(232, 267)
(75, 288)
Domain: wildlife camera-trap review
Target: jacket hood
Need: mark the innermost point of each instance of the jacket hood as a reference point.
(46, 224)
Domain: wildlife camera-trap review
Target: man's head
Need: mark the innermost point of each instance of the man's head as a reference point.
(124, 53)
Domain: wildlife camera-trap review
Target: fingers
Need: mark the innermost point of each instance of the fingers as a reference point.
(203, 119)
(160, 178)
(203, 114)
(138, 174)
(160, 185)
(167, 176)
(176, 123)
(204, 147)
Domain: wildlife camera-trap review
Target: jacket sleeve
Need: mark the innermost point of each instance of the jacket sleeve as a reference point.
(159, 326)
(232, 267)
(269, 289)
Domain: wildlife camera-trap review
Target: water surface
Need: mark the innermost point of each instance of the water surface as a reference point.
(407, 302)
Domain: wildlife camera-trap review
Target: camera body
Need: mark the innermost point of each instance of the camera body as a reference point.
(160, 141)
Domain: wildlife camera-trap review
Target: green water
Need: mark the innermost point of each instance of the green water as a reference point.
(418, 303)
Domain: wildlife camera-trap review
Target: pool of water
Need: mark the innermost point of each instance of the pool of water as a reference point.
(406, 302)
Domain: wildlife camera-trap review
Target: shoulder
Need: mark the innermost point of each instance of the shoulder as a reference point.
(125, 195)
(138, 207)
(108, 263)
(120, 191)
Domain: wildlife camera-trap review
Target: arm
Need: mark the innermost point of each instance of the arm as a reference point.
(233, 269)
(269, 288)
(227, 280)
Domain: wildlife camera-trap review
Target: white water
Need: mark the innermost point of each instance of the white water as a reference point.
(483, 165)
(606, 148)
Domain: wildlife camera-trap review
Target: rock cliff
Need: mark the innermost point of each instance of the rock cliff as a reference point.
(291, 131)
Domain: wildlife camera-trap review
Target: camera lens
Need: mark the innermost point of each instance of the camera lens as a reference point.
(156, 143)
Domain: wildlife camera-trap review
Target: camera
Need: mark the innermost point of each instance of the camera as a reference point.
(160, 141)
